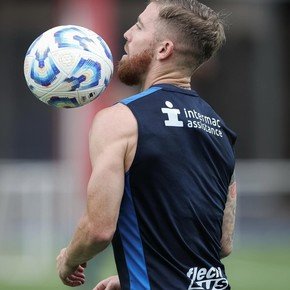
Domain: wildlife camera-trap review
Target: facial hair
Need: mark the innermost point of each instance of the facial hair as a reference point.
(132, 69)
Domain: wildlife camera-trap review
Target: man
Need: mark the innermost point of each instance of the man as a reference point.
(162, 186)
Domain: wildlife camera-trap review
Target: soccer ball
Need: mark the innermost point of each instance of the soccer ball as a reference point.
(68, 66)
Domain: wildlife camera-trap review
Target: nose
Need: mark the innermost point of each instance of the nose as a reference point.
(127, 34)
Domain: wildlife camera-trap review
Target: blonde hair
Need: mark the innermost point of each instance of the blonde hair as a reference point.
(197, 29)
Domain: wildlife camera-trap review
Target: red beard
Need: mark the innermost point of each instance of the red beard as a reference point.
(131, 70)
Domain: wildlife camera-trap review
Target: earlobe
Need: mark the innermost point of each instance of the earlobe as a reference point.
(165, 50)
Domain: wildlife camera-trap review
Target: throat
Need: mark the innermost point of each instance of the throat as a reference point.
(184, 83)
(156, 75)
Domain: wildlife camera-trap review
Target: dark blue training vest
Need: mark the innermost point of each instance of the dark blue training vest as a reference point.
(169, 228)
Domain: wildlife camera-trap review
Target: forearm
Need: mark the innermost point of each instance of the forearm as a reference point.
(85, 244)
(229, 223)
(227, 244)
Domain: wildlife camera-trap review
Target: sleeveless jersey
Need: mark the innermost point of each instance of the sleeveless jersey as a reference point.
(170, 224)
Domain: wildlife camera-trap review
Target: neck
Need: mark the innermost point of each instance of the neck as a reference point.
(174, 78)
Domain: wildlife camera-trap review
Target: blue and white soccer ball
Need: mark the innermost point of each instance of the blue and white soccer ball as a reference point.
(68, 66)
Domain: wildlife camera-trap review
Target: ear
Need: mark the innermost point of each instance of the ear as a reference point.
(165, 49)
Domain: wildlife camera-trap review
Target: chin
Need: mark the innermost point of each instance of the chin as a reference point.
(132, 69)
(125, 56)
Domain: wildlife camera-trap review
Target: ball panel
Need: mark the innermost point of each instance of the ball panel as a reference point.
(61, 100)
(86, 96)
(35, 88)
(43, 69)
(66, 59)
(42, 76)
(102, 49)
(86, 74)
(73, 37)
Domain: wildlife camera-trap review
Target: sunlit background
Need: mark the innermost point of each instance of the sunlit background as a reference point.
(44, 164)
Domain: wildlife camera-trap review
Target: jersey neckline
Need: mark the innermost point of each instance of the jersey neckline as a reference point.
(174, 88)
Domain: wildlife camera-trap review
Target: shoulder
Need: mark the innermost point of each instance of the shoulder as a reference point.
(114, 130)
(232, 136)
(114, 121)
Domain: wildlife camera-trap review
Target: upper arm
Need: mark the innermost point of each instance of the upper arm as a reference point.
(110, 138)
(228, 225)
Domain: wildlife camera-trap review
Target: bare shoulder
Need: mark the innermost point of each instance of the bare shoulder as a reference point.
(115, 129)
(117, 119)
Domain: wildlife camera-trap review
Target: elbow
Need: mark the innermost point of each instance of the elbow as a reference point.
(101, 236)
(226, 251)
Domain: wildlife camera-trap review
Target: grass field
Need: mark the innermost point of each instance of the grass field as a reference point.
(259, 269)
(247, 269)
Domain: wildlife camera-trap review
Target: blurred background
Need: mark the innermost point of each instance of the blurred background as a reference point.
(44, 163)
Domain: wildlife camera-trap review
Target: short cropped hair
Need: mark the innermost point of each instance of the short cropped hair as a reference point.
(197, 29)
